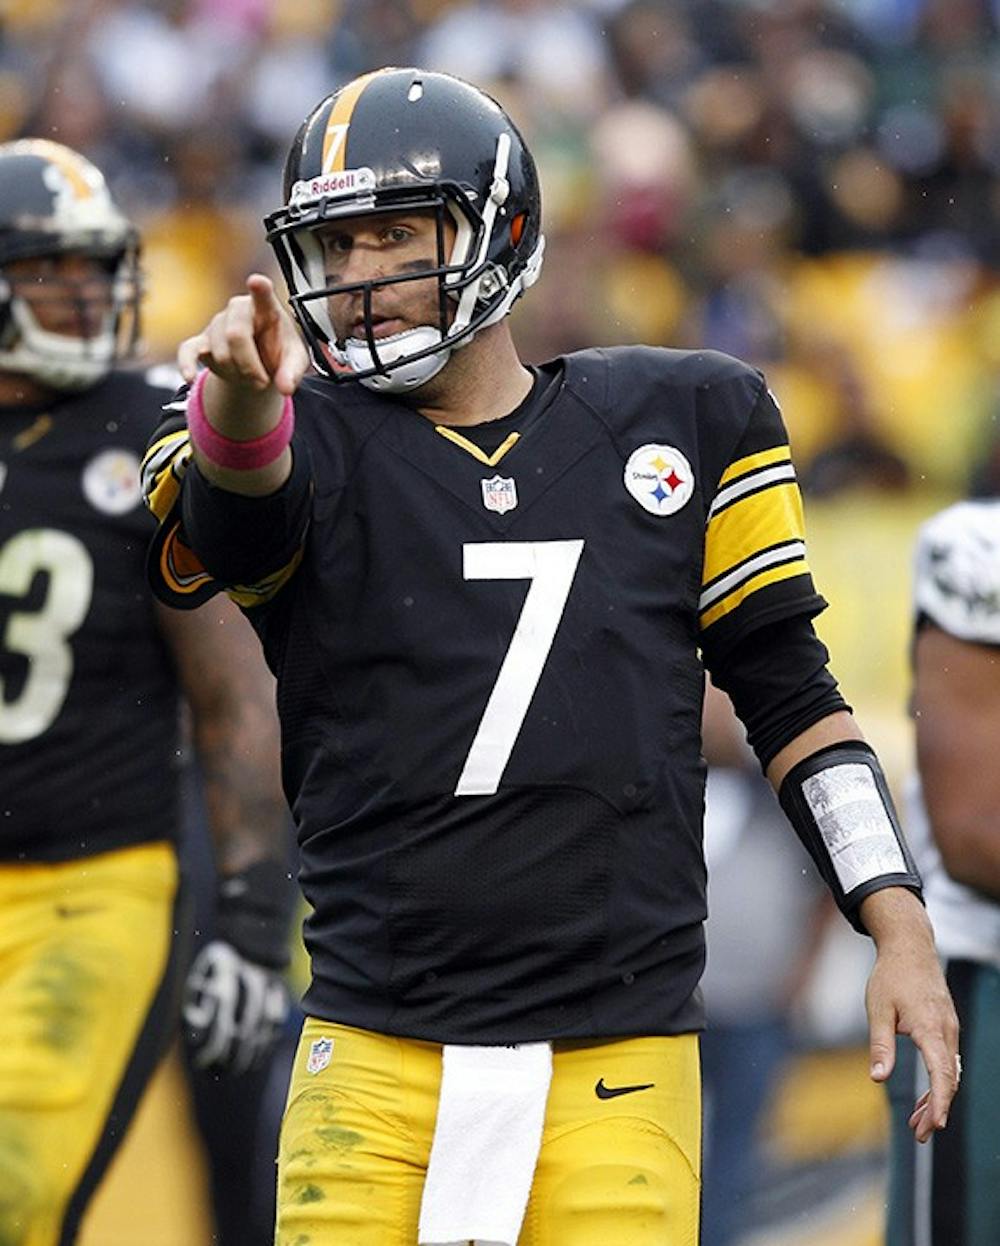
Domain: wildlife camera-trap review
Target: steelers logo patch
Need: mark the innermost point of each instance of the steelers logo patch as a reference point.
(111, 482)
(659, 478)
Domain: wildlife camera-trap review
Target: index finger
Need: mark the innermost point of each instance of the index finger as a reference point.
(265, 306)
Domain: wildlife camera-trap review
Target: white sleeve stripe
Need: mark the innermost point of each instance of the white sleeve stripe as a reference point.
(747, 570)
(750, 483)
(159, 458)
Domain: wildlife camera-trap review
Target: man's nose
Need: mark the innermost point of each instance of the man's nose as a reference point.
(364, 263)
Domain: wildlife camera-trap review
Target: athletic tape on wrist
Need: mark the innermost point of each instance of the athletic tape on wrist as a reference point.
(839, 803)
(242, 456)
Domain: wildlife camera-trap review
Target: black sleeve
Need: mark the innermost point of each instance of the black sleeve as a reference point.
(778, 681)
(245, 540)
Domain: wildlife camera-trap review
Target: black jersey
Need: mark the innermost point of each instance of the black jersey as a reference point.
(490, 681)
(88, 711)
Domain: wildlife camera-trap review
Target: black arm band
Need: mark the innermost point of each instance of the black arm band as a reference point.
(838, 801)
(254, 912)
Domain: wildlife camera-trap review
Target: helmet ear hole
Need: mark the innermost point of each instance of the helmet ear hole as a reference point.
(517, 227)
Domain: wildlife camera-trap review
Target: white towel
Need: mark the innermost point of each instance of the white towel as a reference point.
(489, 1129)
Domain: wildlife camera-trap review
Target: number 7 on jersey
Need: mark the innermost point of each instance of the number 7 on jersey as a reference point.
(550, 566)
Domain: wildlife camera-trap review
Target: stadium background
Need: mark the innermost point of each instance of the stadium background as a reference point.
(813, 185)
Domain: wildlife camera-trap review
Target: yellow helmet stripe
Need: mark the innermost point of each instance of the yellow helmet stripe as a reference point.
(66, 160)
(335, 138)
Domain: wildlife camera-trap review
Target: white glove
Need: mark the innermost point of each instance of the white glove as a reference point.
(233, 1009)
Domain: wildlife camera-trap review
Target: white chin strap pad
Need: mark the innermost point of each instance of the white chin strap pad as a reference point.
(406, 376)
(56, 359)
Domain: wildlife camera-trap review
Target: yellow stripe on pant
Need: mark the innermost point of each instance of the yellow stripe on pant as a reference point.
(617, 1171)
(84, 949)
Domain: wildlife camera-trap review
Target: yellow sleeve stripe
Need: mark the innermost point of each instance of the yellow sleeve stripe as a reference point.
(162, 497)
(763, 458)
(162, 467)
(168, 439)
(771, 576)
(787, 551)
(753, 523)
(162, 451)
(752, 482)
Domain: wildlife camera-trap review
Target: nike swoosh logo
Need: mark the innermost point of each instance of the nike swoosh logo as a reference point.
(612, 1092)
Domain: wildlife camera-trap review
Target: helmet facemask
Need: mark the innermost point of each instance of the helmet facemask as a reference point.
(102, 326)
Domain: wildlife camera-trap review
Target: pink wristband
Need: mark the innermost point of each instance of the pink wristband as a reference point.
(240, 456)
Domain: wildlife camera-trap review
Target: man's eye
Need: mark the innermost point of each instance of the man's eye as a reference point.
(397, 233)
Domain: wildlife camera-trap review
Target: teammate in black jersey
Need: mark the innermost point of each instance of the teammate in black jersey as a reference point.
(487, 592)
(92, 672)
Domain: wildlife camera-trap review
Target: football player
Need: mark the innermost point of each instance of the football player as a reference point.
(953, 1194)
(487, 592)
(92, 673)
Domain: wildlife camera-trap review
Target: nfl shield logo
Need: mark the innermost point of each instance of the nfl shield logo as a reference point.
(499, 494)
(320, 1052)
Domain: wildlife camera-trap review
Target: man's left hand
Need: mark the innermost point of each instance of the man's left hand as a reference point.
(907, 994)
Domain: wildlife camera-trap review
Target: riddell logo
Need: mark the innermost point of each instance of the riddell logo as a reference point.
(347, 182)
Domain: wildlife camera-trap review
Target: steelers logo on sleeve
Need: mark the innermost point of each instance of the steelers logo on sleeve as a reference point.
(659, 478)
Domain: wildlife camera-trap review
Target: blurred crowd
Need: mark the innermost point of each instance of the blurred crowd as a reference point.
(813, 185)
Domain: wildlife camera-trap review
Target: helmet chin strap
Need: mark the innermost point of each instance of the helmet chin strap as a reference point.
(56, 359)
(405, 376)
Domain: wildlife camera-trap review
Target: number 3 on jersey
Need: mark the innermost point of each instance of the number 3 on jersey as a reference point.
(550, 566)
(41, 635)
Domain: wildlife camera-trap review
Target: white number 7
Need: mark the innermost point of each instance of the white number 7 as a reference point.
(550, 566)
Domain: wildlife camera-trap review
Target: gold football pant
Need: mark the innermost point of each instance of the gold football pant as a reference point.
(616, 1171)
(87, 992)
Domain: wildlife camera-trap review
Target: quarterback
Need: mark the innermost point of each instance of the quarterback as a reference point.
(92, 675)
(487, 592)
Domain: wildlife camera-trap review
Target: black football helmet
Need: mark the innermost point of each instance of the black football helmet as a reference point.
(403, 139)
(52, 202)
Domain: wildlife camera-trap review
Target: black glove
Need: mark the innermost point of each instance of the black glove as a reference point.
(235, 997)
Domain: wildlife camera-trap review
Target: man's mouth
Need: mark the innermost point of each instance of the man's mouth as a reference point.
(382, 327)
